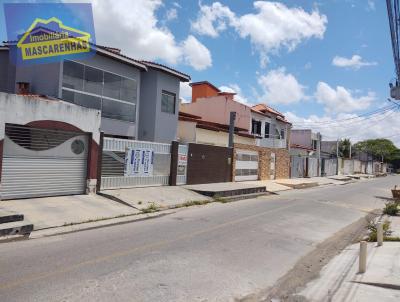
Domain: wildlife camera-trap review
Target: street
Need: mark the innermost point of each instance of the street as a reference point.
(216, 252)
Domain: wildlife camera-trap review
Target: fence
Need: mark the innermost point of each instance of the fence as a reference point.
(313, 167)
(297, 167)
(113, 171)
(329, 167)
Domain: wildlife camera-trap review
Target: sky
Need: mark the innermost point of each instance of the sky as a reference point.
(322, 63)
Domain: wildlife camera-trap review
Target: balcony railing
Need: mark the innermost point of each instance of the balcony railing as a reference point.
(276, 143)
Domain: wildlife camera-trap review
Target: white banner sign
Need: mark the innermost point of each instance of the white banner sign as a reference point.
(139, 162)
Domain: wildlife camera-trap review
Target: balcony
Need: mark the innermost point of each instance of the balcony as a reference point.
(275, 143)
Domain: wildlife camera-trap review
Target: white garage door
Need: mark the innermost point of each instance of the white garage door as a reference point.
(246, 166)
(41, 162)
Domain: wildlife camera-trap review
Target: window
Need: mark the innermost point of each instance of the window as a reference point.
(267, 127)
(282, 133)
(94, 88)
(314, 144)
(73, 75)
(256, 127)
(168, 102)
(93, 80)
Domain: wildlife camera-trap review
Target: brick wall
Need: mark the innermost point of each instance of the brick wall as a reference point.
(282, 157)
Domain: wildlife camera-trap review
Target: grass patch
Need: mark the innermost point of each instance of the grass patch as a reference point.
(391, 208)
(372, 236)
(193, 203)
(151, 208)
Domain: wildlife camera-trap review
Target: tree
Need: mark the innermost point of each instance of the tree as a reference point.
(344, 148)
(381, 147)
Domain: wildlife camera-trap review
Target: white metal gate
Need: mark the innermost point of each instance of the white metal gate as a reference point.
(42, 162)
(113, 164)
(246, 165)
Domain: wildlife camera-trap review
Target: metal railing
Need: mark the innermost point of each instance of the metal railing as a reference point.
(113, 161)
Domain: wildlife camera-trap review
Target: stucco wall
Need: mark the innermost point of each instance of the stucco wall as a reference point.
(186, 132)
(217, 109)
(22, 110)
(282, 161)
(155, 125)
(220, 138)
(301, 137)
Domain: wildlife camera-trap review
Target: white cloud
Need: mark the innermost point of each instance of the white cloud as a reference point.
(136, 30)
(236, 89)
(273, 27)
(280, 87)
(171, 14)
(355, 62)
(213, 19)
(185, 92)
(357, 129)
(196, 54)
(341, 100)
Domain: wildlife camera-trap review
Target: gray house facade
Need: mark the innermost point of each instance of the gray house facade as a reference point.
(137, 99)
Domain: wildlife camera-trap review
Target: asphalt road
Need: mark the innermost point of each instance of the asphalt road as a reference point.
(217, 252)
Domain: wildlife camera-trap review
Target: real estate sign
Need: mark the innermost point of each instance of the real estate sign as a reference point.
(139, 162)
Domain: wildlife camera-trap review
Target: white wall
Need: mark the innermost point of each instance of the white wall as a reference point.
(17, 109)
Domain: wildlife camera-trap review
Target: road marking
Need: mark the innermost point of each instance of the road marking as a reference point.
(70, 268)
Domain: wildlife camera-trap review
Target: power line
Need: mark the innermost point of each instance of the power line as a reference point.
(377, 111)
(386, 113)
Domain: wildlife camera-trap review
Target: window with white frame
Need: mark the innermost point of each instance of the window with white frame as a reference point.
(114, 95)
(282, 133)
(168, 102)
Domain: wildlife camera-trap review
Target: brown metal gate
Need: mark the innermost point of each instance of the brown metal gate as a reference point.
(208, 164)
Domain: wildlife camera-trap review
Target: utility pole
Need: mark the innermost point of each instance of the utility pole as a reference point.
(337, 148)
(350, 151)
(232, 118)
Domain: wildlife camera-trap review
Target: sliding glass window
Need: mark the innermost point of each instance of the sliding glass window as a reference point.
(91, 87)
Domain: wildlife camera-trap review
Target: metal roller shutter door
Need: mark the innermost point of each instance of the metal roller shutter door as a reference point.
(46, 166)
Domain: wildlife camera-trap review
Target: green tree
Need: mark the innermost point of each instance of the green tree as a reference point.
(382, 148)
(344, 148)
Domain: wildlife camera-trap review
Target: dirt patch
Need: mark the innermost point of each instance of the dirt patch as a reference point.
(309, 266)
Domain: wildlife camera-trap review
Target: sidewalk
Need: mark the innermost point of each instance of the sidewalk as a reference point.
(340, 280)
(50, 212)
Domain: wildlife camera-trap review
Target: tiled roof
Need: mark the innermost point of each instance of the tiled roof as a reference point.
(170, 70)
(206, 83)
(139, 63)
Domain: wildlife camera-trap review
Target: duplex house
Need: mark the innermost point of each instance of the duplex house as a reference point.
(259, 151)
(52, 114)
(137, 99)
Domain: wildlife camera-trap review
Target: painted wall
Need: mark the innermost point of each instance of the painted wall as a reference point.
(220, 138)
(22, 110)
(301, 137)
(186, 132)
(155, 125)
(7, 72)
(217, 109)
